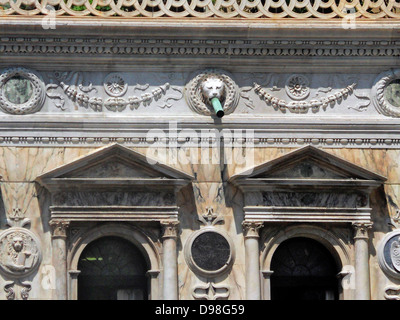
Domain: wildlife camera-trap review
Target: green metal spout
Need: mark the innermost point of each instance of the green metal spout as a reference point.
(217, 107)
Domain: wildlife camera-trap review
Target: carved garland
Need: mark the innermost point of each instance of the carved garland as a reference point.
(303, 106)
(36, 99)
(114, 103)
(378, 93)
(196, 100)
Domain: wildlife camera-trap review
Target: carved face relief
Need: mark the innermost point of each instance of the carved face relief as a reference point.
(211, 84)
(19, 252)
(213, 88)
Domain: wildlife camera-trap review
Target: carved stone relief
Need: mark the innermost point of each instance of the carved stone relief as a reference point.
(207, 85)
(386, 93)
(389, 254)
(115, 86)
(20, 252)
(297, 89)
(209, 252)
(21, 91)
(211, 291)
(20, 255)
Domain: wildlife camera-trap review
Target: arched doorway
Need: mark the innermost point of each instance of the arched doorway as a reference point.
(112, 268)
(303, 269)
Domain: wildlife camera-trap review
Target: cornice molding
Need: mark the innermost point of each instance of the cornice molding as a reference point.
(244, 46)
(277, 132)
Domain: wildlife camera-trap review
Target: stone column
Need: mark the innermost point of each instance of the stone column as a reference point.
(267, 284)
(170, 278)
(59, 251)
(362, 261)
(252, 251)
(73, 285)
(153, 275)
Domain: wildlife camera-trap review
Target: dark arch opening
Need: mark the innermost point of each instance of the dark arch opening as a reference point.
(112, 268)
(303, 269)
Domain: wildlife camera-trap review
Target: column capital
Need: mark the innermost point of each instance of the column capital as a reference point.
(267, 273)
(169, 229)
(251, 228)
(59, 228)
(361, 229)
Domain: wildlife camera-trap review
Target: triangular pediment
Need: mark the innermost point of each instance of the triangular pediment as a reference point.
(308, 163)
(114, 163)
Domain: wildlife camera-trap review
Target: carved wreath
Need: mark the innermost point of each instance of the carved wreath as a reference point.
(36, 99)
(378, 93)
(198, 103)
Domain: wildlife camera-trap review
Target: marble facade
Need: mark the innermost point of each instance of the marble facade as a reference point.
(112, 132)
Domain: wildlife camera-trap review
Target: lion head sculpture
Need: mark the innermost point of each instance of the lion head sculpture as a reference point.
(208, 85)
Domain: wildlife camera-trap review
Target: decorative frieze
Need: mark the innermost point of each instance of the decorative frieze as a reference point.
(197, 9)
(79, 46)
(302, 106)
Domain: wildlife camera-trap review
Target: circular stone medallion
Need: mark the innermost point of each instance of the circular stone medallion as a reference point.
(209, 252)
(389, 254)
(21, 91)
(18, 90)
(19, 252)
(392, 93)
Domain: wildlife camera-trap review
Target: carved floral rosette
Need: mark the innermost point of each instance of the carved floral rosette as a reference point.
(196, 101)
(378, 93)
(20, 253)
(36, 99)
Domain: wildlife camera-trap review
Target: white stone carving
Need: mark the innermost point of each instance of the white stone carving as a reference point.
(303, 106)
(392, 293)
(247, 9)
(115, 85)
(34, 101)
(212, 88)
(297, 87)
(379, 98)
(210, 218)
(20, 252)
(211, 291)
(207, 85)
(395, 255)
(389, 254)
(76, 92)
